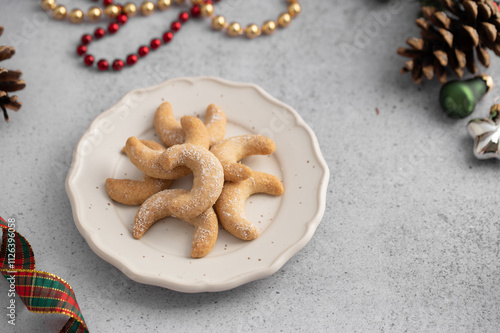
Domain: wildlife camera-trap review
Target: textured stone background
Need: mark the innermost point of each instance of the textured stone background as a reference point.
(410, 238)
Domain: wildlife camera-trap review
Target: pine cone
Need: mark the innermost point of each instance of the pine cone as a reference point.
(9, 81)
(449, 38)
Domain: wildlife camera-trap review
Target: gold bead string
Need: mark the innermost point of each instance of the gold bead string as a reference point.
(95, 13)
(235, 29)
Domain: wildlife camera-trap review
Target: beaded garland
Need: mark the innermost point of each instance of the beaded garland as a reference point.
(121, 14)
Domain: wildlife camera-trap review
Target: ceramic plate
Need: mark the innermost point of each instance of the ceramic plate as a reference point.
(162, 256)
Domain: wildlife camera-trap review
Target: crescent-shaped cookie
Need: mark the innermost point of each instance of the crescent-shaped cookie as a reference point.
(230, 207)
(169, 129)
(215, 121)
(144, 156)
(146, 160)
(172, 132)
(234, 149)
(135, 192)
(208, 178)
(150, 144)
(158, 207)
(195, 131)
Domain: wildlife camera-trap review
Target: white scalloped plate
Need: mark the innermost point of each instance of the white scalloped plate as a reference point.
(162, 256)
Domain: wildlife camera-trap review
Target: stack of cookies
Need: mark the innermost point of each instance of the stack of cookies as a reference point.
(221, 184)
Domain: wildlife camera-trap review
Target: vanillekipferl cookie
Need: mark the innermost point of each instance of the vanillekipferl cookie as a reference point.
(230, 207)
(172, 133)
(135, 192)
(208, 178)
(232, 150)
(146, 158)
(158, 206)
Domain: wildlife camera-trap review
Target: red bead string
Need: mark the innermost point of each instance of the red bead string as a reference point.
(143, 51)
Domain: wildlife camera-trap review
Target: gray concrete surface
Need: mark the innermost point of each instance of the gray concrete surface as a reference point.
(410, 237)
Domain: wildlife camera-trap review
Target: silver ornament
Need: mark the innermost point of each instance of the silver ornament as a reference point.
(486, 134)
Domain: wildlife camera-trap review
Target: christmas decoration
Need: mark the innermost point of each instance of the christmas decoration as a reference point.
(41, 292)
(9, 81)
(458, 98)
(122, 13)
(453, 36)
(486, 134)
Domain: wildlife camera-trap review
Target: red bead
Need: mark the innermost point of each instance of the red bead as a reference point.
(155, 43)
(86, 39)
(195, 11)
(81, 50)
(89, 60)
(143, 51)
(184, 17)
(107, 2)
(131, 59)
(99, 33)
(122, 19)
(113, 27)
(118, 65)
(175, 26)
(103, 65)
(208, 2)
(167, 36)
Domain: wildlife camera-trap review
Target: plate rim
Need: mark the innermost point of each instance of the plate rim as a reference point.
(202, 286)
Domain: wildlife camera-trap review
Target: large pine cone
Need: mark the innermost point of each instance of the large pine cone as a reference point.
(449, 38)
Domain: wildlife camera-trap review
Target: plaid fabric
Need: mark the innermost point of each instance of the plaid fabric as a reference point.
(41, 292)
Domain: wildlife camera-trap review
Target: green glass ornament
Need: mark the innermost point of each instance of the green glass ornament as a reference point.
(458, 98)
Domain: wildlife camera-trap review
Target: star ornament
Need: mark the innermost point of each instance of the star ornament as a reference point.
(486, 134)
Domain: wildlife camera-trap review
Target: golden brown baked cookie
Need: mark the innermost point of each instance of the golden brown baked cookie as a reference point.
(232, 150)
(171, 132)
(195, 131)
(146, 160)
(207, 181)
(158, 207)
(230, 207)
(150, 144)
(215, 121)
(169, 129)
(135, 192)
(145, 155)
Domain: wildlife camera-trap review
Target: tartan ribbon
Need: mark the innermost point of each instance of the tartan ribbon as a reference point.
(41, 292)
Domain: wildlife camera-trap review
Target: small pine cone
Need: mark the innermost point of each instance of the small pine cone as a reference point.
(452, 38)
(10, 80)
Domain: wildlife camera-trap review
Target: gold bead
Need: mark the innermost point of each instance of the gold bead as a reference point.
(269, 27)
(292, 1)
(206, 10)
(252, 31)
(48, 4)
(94, 13)
(60, 12)
(163, 4)
(147, 8)
(179, 2)
(130, 9)
(76, 16)
(294, 9)
(112, 11)
(196, 2)
(218, 22)
(284, 20)
(234, 29)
